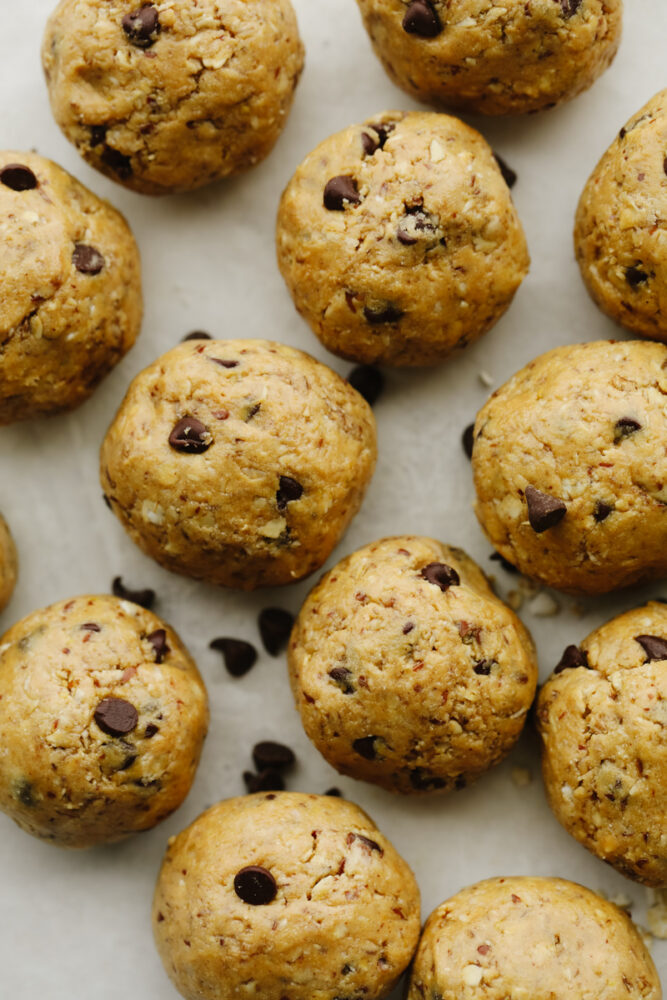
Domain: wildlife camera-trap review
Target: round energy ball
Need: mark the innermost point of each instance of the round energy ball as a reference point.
(239, 462)
(620, 232)
(8, 564)
(281, 894)
(71, 288)
(536, 938)
(168, 97)
(494, 59)
(407, 670)
(102, 719)
(570, 466)
(398, 239)
(601, 716)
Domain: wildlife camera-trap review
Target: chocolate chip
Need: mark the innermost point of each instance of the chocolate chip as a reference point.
(255, 885)
(334, 793)
(635, 276)
(98, 134)
(365, 747)
(275, 626)
(571, 658)
(415, 223)
(239, 656)
(408, 627)
(24, 793)
(509, 175)
(602, 510)
(368, 381)
(382, 130)
(569, 7)
(268, 754)
(91, 627)
(197, 335)
(544, 511)
(625, 427)
(468, 439)
(664, 166)
(421, 18)
(224, 362)
(150, 730)
(145, 598)
(370, 845)
(268, 780)
(87, 259)
(142, 26)
(190, 436)
(441, 575)
(505, 563)
(17, 177)
(483, 667)
(340, 192)
(422, 781)
(158, 640)
(116, 716)
(117, 161)
(654, 646)
(288, 490)
(341, 677)
(386, 313)
(369, 143)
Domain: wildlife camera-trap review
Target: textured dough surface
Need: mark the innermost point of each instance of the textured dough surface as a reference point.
(208, 98)
(61, 330)
(531, 939)
(604, 748)
(429, 258)
(564, 425)
(62, 777)
(497, 58)
(344, 921)
(270, 412)
(620, 231)
(8, 563)
(436, 684)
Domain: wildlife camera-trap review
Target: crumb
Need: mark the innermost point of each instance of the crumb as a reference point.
(544, 605)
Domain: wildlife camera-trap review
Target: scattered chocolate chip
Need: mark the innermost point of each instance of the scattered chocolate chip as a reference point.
(275, 626)
(239, 656)
(341, 677)
(197, 335)
(441, 575)
(370, 845)
(98, 134)
(421, 18)
(224, 362)
(416, 222)
(24, 793)
(365, 747)
(571, 658)
(17, 177)
(87, 259)
(150, 730)
(158, 640)
(116, 717)
(382, 130)
(625, 427)
(268, 780)
(253, 411)
(468, 439)
(288, 490)
(387, 313)
(334, 793)
(623, 132)
(505, 563)
(255, 885)
(91, 627)
(422, 781)
(145, 598)
(483, 667)
(544, 511)
(408, 627)
(268, 754)
(635, 276)
(509, 175)
(602, 510)
(664, 166)
(117, 161)
(654, 646)
(142, 26)
(368, 381)
(340, 192)
(369, 143)
(190, 436)
(569, 7)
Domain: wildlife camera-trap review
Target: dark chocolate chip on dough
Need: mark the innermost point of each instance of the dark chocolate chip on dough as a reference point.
(654, 646)
(625, 427)
(441, 575)
(365, 747)
(635, 276)
(602, 510)
(386, 313)
(117, 161)
(87, 259)
(288, 490)
(571, 658)
(255, 885)
(190, 436)
(509, 175)
(544, 511)
(340, 192)
(116, 717)
(158, 640)
(17, 177)
(569, 7)
(421, 18)
(142, 26)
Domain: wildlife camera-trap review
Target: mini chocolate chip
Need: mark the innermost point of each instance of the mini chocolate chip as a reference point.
(602, 510)
(368, 381)
(468, 439)
(275, 626)
(387, 313)
(116, 717)
(365, 747)
(569, 7)
(334, 793)
(505, 563)
(224, 362)
(383, 130)
(268, 780)
(421, 18)
(408, 627)
(625, 427)
(509, 175)
(623, 132)
(369, 143)
(150, 730)
(483, 667)
(98, 134)
(253, 411)
(340, 192)
(190, 436)
(415, 222)
(441, 575)
(289, 490)
(268, 754)
(91, 627)
(664, 166)
(654, 646)
(341, 677)
(87, 259)
(371, 845)
(422, 781)
(158, 640)
(24, 793)
(239, 656)
(197, 335)
(544, 511)
(571, 658)
(635, 276)
(17, 177)
(117, 161)
(255, 885)
(142, 26)
(145, 598)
